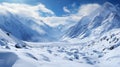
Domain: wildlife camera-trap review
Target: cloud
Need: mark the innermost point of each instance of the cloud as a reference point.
(55, 21)
(26, 10)
(37, 12)
(43, 8)
(83, 10)
(66, 10)
(87, 9)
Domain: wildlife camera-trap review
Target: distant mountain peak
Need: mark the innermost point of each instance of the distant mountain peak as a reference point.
(104, 20)
(108, 4)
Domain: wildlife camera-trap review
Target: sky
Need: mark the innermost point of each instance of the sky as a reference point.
(61, 7)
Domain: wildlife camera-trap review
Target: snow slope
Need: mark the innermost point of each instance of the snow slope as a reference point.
(101, 52)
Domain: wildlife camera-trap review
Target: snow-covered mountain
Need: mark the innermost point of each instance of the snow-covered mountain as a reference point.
(102, 20)
(94, 41)
(26, 28)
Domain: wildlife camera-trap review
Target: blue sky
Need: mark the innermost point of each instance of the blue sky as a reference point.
(57, 5)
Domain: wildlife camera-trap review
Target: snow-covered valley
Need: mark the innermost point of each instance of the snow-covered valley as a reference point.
(28, 41)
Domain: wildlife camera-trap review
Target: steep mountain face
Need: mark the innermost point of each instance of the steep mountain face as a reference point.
(106, 18)
(25, 28)
(79, 28)
(110, 18)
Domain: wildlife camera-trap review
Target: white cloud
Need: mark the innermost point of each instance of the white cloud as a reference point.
(55, 21)
(26, 10)
(66, 10)
(43, 8)
(35, 12)
(83, 10)
(87, 9)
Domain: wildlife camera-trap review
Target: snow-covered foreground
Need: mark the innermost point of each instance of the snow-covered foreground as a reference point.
(35, 57)
(102, 52)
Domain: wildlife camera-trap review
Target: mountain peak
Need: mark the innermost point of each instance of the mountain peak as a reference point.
(108, 4)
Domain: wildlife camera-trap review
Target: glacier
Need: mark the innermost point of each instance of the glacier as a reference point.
(27, 41)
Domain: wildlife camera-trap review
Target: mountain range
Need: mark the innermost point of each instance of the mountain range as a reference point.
(94, 41)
